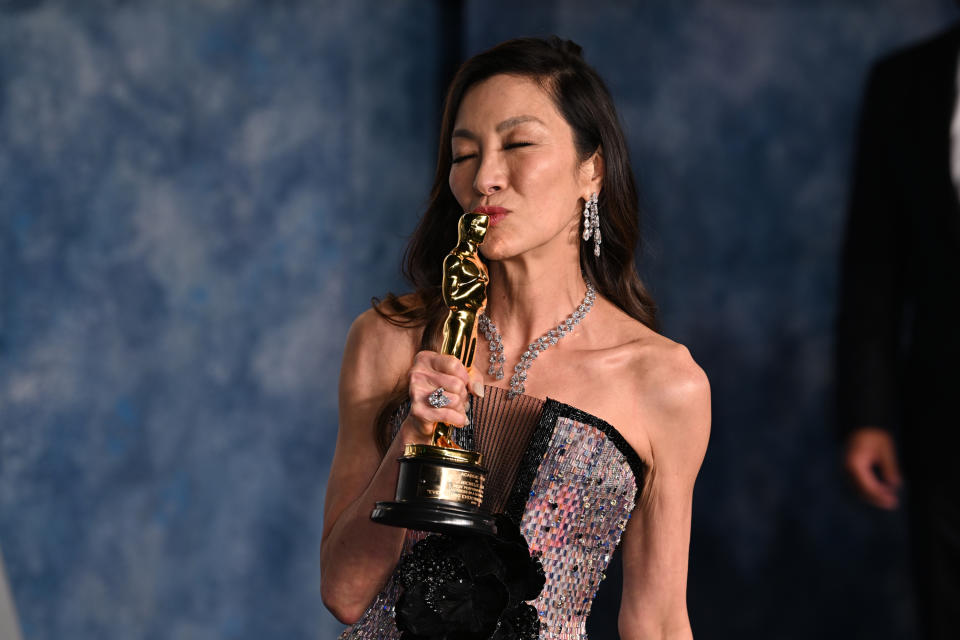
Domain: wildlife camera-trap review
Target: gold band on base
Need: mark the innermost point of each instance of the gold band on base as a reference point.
(431, 452)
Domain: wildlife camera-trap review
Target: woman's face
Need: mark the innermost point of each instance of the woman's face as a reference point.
(514, 158)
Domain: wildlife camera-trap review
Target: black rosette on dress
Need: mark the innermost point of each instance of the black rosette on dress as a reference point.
(470, 587)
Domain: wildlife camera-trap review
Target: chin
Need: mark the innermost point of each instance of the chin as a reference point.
(489, 256)
(497, 251)
(492, 250)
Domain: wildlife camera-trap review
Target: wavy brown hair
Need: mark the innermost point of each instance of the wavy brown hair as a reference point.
(584, 101)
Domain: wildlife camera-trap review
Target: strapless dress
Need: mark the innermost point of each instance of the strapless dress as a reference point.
(571, 482)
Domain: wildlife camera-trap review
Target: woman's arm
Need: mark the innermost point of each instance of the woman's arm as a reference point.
(358, 555)
(675, 409)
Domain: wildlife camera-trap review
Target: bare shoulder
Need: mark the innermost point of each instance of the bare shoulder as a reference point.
(665, 373)
(377, 352)
(668, 415)
(371, 329)
(673, 395)
(659, 371)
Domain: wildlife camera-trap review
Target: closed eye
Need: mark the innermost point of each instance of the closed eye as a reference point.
(467, 156)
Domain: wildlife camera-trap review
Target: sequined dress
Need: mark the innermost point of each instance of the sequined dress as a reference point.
(570, 480)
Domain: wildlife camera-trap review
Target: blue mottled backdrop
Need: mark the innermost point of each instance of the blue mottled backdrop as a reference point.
(197, 196)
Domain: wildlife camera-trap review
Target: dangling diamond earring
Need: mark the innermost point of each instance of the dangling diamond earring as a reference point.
(591, 223)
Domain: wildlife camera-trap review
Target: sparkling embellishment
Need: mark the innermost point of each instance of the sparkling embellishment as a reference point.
(551, 337)
(591, 223)
(575, 551)
(437, 399)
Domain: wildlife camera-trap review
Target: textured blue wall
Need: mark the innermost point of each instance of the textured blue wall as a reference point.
(196, 197)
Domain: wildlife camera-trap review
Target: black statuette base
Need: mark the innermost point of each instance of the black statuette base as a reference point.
(435, 517)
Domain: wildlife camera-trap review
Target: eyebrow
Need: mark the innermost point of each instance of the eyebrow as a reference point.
(509, 123)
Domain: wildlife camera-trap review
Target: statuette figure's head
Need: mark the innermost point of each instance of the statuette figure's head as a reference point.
(473, 227)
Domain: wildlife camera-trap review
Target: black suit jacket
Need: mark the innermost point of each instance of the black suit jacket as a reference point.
(899, 317)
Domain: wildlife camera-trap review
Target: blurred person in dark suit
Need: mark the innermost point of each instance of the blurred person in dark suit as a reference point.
(899, 321)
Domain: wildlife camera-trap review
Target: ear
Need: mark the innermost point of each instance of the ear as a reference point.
(591, 173)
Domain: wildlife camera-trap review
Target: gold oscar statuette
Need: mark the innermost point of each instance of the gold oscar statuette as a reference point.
(440, 486)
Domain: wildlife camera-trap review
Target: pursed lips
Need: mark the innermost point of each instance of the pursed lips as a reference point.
(496, 213)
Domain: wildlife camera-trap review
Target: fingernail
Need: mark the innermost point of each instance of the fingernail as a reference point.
(466, 407)
(477, 387)
(466, 422)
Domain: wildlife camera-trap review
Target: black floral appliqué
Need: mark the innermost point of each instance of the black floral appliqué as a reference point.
(470, 587)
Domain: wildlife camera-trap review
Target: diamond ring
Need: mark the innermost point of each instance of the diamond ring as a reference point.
(437, 399)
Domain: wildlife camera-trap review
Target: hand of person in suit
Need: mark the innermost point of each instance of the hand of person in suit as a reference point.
(871, 462)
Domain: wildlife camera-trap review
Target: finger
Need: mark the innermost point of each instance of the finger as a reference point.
(872, 489)
(429, 416)
(450, 365)
(425, 428)
(859, 461)
(454, 413)
(476, 382)
(884, 498)
(456, 419)
(449, 417)
(440, 362)
(432, 362)
(424, 383)
(890, 470)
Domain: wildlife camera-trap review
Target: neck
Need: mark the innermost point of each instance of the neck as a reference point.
(525, 300)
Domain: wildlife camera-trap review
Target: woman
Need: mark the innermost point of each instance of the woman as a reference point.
(530, 137)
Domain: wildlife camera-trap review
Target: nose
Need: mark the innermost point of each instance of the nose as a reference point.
(491, 176)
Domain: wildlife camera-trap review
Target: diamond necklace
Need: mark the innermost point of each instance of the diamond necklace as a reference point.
(492, 334)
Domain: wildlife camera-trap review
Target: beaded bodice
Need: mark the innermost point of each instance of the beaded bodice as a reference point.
(569, 479)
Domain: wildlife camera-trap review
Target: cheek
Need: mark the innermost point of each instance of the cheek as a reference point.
(458, 187)
(551, 184)
(541, 173)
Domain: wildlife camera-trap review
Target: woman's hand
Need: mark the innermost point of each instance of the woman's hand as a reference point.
(358, 555)
(871, 462)
(430, 371)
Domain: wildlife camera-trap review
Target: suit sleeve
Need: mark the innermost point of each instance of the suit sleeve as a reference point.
(873, 277)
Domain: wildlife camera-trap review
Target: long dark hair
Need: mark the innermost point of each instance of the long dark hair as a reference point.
(583, 100)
